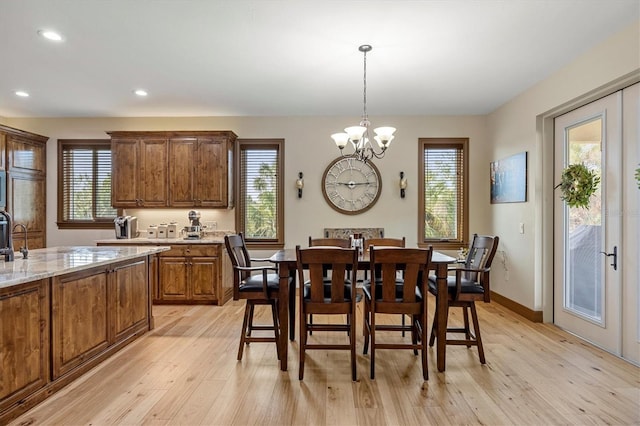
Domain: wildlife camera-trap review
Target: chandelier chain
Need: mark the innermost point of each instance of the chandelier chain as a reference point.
(365, 117)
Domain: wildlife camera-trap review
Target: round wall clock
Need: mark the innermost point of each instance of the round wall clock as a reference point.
(351, 186)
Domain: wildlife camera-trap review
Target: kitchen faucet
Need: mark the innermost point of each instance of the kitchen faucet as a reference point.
(24, 250)
(6, 245)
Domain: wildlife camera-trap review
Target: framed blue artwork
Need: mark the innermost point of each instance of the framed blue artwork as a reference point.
(509, 179)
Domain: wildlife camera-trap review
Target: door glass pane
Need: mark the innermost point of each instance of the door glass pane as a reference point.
(583, 287)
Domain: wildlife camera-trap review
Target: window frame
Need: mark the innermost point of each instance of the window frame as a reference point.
(463, 215)
(79, 224)
(248, 144)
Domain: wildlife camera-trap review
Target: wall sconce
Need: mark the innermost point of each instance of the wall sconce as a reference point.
(300, 184)
(403, 184)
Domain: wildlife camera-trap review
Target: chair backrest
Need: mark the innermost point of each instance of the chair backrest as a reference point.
(385, 263)
(384, 242)
(341, 261)
(481, 252)
(237, 250)
(330, 242)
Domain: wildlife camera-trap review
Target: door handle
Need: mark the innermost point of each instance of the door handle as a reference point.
(615, 257)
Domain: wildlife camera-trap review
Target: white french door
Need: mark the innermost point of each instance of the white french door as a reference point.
(594, 297)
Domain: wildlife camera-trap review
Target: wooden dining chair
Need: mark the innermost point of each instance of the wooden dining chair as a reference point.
(469, 284)
(382, 295)
(339, 300)
(386, 242)
(259, 285)
(330, 242)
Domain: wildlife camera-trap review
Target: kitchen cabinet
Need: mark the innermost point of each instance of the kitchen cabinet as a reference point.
(23, 156)
(198, 172)
(138, 171)
(179, 168)
(95, 309)
(190, 274)
(61, 318)
(24, 339)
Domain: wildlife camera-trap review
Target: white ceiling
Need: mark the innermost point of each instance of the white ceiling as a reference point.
(265, 57)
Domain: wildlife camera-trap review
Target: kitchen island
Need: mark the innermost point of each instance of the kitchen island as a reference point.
(193, 271)
(63, 310)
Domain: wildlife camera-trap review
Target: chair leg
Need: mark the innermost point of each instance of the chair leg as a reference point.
(303, 343)
(423, 330)
(352, 342)
(248, 310)
(467, 330)
(372, 330)
(434, 327)
(276, 324)
(476, 328)
(366, 327)
(414, 331)
(250, 325)
(310, 323)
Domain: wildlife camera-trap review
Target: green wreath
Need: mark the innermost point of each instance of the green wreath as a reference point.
(577, 185)
(638, 176)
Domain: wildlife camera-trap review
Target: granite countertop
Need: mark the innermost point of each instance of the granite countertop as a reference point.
(53, 261)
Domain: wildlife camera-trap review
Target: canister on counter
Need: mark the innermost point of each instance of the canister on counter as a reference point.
(172, 230)
(162, 230)
(152, 231)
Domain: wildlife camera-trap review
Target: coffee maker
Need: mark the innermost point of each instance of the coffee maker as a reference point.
(126, 227)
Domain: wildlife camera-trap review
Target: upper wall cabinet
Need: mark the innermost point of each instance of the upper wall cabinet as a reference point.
(139, 171)
(172, 169)
(23, 156)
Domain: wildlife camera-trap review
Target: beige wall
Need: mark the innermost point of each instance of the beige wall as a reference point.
(513, 128)
(518, 268)
(308, 148)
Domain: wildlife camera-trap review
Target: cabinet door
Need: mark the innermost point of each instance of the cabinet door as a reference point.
(153, 183)
(204, 277)
(130, 299)
(182, 175)
(79, 320)
(125, 166)
(24, 341)
(211, 173)
(26, 155)
(173, 278)
(26, 195)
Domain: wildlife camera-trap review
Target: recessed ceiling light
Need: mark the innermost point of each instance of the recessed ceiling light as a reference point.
(22, 93)
(140, 92)
(50, 35)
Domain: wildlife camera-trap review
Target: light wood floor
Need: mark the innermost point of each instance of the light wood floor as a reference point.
(185, 373)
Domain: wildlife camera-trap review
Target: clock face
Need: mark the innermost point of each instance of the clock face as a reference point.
(351, 186)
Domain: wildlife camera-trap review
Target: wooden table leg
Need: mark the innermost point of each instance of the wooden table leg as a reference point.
(441, 308)
(283, 311)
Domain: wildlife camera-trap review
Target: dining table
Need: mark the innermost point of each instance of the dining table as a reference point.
(285, 260)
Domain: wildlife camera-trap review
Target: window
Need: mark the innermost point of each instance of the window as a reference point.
(443, 214)
(260, 209)
(84, 184)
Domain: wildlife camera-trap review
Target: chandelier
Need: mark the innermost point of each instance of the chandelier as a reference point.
(359, 136)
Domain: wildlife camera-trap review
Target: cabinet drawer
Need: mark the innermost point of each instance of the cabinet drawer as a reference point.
(187, 250)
